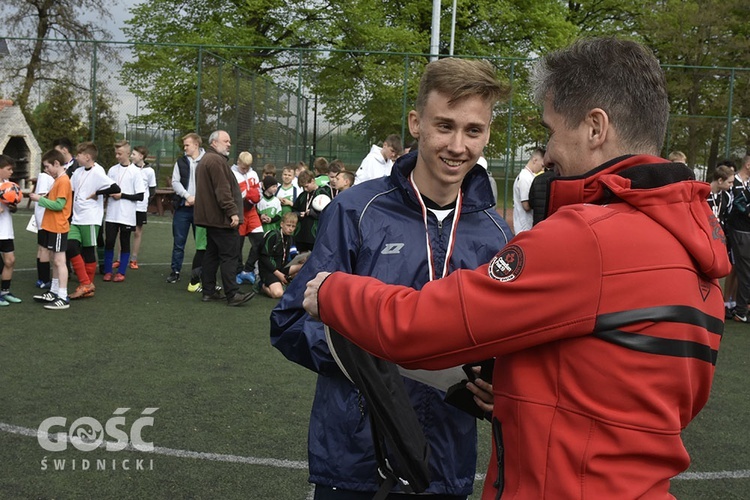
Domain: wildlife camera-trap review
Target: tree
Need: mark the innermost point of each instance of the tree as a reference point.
(698, 35)
(56, 116)
(104, 121)
(355, 78)
(166, 77)
(43, 60)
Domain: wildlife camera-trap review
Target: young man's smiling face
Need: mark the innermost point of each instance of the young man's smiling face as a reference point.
(451, 139)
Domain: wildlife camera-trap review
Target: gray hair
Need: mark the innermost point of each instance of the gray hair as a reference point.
(214, 136)
(621, 77)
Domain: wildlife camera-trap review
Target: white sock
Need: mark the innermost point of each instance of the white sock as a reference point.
(62, 293)
(55, 286)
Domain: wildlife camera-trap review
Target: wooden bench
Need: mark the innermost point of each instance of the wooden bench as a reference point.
(162, 200)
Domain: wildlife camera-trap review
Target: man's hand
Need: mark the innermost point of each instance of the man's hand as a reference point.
(116, 196)
(482, 390)
(311, 294)
(34, 196)
(190, 201)
(235, 221)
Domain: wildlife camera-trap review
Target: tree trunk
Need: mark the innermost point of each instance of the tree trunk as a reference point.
(35, 61)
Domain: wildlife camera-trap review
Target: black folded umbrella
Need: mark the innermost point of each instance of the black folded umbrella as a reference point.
(400, 445)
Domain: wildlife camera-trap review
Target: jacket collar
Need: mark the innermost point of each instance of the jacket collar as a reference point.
(477, 192)
(632, 171)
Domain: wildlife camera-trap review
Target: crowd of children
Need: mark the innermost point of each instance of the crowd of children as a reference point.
(280, 221)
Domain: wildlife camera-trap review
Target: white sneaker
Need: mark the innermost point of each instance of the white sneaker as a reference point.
(58, 304)
(46, 297)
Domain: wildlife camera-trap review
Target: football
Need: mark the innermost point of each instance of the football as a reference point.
(320, 202)
(10, 193)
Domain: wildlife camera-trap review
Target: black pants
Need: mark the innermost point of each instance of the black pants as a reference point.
(221, 253)
(113, 229)
(741, 251)
(328, 493)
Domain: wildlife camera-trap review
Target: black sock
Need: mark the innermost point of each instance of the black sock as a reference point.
(43, 271)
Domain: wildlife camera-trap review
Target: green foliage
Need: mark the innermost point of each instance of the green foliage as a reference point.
(371, 54)
(703, 33)
(56, 116)
(40, 59)
(105, 126)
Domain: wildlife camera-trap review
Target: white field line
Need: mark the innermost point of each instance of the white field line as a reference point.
(301, 465)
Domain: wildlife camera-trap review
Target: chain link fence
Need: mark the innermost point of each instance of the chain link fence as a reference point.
(277, 117)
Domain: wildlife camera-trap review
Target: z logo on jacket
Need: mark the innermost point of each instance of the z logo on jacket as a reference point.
(507, 264)
(392, 248)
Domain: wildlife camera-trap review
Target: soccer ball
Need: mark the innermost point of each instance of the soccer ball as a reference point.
(320, 202)
(10, 193)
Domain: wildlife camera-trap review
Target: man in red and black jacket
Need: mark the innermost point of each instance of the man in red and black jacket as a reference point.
(592, 388)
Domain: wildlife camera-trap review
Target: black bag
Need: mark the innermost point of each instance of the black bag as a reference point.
(400, 445)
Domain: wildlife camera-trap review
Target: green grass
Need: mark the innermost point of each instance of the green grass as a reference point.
(220, 388)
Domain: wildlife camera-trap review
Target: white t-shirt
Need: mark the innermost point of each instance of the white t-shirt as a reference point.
(246, 181)
(149, 181)
(287, 193)
(6, 223)
(86, 182)
(43, 185)
(374, 166)
(129, 179)
(522, 220)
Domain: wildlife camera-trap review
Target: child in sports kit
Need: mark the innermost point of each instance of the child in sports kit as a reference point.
(138, 157)
(7, 249)
(287, 191)
(90, 183)
(196, 270)
(121, 207)
(251, 227)
(308, 217)
(277, 250)
(43, 273)
(269, 206)
(58, 204)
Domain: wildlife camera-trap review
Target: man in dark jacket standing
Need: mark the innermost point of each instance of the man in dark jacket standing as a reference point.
(218, 208)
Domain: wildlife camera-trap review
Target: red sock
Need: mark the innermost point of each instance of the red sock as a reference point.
(91, 270)
(80, 269)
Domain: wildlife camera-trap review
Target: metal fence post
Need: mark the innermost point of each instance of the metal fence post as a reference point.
(509, 133)
(297, 125)
(403, 101)
(92, 121)
(728, 147)
(198, 91)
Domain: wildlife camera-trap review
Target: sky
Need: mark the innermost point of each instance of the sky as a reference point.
(119, 16)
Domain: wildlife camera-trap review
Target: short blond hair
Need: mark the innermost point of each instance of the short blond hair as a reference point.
(460, 79)
(678, 156)
(245, 158)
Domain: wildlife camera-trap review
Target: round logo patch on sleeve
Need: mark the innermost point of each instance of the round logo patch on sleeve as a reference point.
(507, 265)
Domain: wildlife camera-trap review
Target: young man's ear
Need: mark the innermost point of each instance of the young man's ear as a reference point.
(414, 124)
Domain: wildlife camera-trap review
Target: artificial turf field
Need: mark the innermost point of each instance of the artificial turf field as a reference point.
(232, 412)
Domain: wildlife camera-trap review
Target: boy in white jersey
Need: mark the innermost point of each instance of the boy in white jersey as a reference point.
(287, 191)
(121, 208)
(7, 249)
(43, 270)
(89, 183)
(138, 157)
